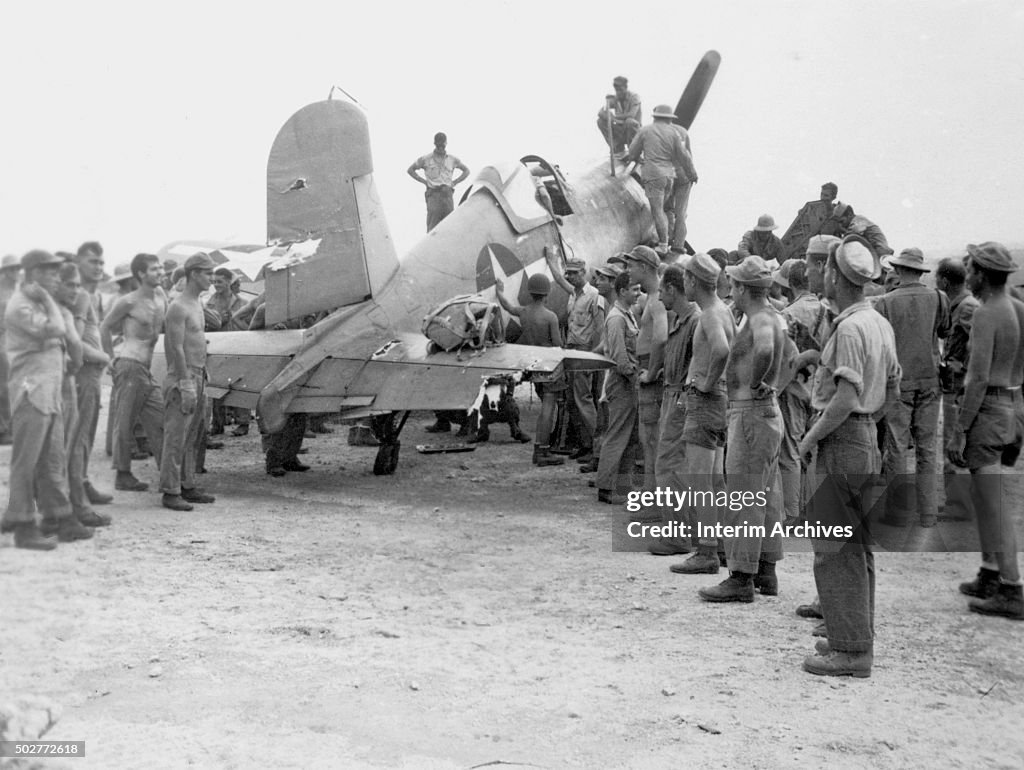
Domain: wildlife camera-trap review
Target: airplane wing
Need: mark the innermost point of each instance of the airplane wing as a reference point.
(251, 369)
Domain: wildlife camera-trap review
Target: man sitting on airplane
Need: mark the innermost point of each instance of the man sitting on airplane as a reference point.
(437, 169)
(622, 111)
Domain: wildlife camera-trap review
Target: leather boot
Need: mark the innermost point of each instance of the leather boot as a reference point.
(738, 587)
(87, 517)
(1007, 602)
(984, 586)
(701, 563)
(837, 663)
(765, 581)
(126, 482)
(518, 435)
(69, 530)
(28, 536)
(543, 458)
(95, 496)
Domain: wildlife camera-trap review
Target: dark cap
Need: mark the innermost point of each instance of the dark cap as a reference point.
(619, 80)
(609, 271)
(440, 137)
(39, 258)
(539, 284)
(199, 261)
(992, 256)
(645, 255)
(703, 267)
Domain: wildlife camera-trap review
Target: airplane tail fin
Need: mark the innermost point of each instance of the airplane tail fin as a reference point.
(322, 202)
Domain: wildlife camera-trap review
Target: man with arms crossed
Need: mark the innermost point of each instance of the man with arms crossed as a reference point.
(140, 315)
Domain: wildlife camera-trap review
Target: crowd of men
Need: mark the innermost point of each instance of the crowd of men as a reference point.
(800, 382)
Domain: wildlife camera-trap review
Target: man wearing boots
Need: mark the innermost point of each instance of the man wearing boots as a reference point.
(754, 436)
(670, 464)
(989, 430)
(704, 428)
(620, 388)
(858, 374)
(184, 388)
(140, 315)
(35, 331)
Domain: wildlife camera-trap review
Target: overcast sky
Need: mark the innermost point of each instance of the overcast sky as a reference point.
(136, 127)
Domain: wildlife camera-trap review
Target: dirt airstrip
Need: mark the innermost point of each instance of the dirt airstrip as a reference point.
(467, 612)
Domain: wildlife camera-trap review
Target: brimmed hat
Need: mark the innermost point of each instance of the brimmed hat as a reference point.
(122, 273)
(857, 260)
(645, 255)
(663, 111)
(609, 271)
(703, 267)
(752, 271)
(575, 266)
(10, 262)
(765, 223)
(992, 256)
(199, 261)
(39, 258)
(912, 258)
(821, 245)
(781, 276)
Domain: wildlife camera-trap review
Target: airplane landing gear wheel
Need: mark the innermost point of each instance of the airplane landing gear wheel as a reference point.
(387, 459)
(386, 428)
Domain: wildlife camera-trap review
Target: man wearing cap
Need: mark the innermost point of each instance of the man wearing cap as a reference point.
(35, 349)
(184, 388)
(951, 278)
(704, 427)
(919, 315)
(140, 315)
(859, 371)
(662, 150)
(225, 304)
(670, 465)
(622, 110)
(761, 241)
(438, 167)
(990, 427)
(818, 249)
(754, 437)
(642, 264)
(620, 388)
(870, 232)
(585, 324)
(88, 311)
(9, 268)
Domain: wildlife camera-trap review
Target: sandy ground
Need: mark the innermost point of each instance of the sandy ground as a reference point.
(467, 612)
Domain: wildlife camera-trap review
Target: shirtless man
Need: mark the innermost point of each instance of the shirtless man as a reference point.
(140, 315)
(988, 432)
(184, 396)
(705, 427)
(755, 435)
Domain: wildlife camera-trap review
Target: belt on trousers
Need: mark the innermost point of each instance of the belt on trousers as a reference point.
(999, 390)
(770, 401)
(861, 416)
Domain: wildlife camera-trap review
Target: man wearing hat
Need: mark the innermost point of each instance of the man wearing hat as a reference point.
(225, 304)
(585, 323)
(754, 437)
(919, 315)
(622, 110)
(990, 428)
(704, 427)
(35, 332)
(859, 371)
(642, 264)
(761, 241)
(438, 167)
(184, 388)
(818, 249)
(9, 268)
(662, 151)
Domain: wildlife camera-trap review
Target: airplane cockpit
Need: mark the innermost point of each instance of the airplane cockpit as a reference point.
(531, 192)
